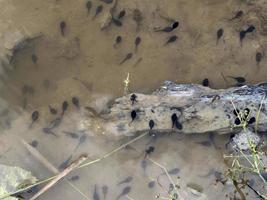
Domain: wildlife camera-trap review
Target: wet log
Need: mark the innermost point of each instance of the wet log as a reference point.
(198, 109)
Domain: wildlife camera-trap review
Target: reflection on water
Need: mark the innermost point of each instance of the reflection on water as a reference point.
(80, 54)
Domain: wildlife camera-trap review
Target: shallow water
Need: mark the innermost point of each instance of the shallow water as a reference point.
(85, 64)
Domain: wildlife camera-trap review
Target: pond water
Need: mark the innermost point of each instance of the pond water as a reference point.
(85, 63)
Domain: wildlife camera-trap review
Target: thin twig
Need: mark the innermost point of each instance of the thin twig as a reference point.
(47, 164)
(113, 152)
(64, 173)
(168, 175)
(40, 157)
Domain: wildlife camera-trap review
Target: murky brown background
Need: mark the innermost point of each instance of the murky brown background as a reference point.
(85, 64)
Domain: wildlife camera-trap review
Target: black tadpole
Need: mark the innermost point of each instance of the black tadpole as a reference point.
(242, 35)
(171, 39)
(149, 150)
(175, 122)
(52, 110)
(175, 25)
(133, 98)
(137, 42)
(75, 102)
(258, 58)
(34, 58)
(127, 57)
(116, 22)
(174, 119)
(65, 106)
(238, 15)
(250, 29)
(117, 41)
(205, 82)
(88, 6)
(238, 79)
(219, 34)
(121, 14)
(98, 10)
(62, 26)
(151, 124)
(35, 116)
(133, 116)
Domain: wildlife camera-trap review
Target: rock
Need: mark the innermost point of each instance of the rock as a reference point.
(12, 178)
(241, 140)
(106, 22)
(199, 109)
(13, 40)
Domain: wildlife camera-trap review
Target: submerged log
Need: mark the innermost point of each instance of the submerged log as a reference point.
(198, 109)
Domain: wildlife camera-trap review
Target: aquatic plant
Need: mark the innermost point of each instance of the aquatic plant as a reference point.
(126, 84)
(247, 162)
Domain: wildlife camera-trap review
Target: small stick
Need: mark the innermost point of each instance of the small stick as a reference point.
(64, 173)
(40, 157)
(47, 164)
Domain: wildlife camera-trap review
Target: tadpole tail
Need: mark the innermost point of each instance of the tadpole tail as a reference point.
(166, 44)
(135, 49)
(130, 123)
(123, 61)
(158, 30)
(241, 42)
(53, 134)
(93, 18)
(30, 126)
(62, 114)
(62, 32)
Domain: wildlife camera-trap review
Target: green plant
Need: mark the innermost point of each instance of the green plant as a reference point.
(246, 162)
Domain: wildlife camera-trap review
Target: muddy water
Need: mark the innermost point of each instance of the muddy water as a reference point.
(85, 63)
